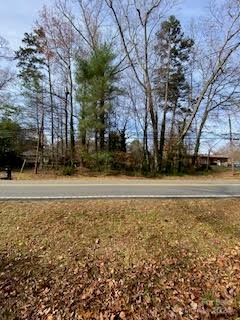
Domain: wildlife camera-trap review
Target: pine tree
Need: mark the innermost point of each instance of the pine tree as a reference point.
(173, 50)
(96, 78)
(31, 64)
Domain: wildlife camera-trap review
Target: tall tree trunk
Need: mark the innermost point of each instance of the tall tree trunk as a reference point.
(82, 130)
(165, 107)
(123, 145)
(37, 154)
(162, 139)
(231, 144)
(83, 137)
(198, 138)
(149, 95)
(66, 125)
(38, 137)
(96, 140)
(170, 153)
(154, 122)
(72, 135)
(102, 128)
(58, 136)
(51, 110)
(42, 143)
(81, 125)
(145, 142)
(62, 132)
(40, 126)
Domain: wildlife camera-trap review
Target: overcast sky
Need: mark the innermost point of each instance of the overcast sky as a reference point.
(18, 16)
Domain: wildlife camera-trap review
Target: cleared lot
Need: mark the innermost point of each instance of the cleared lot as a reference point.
(130, 259)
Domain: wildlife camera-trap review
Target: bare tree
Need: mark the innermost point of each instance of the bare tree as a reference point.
(87, 24)
(137, 23)
(61, 42)
(219, 35)
(221, 95)
(4, 49)
(6, 74)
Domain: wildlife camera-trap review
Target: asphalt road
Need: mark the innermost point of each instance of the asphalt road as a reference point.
(83, 189)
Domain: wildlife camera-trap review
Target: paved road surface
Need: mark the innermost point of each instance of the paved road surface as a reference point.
(83, 189)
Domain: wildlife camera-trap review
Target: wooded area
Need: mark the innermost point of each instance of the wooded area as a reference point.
(119, 85)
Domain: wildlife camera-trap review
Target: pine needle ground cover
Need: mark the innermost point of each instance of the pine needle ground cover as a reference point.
(130, 259)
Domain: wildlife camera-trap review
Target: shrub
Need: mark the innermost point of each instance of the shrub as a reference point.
(68, 171)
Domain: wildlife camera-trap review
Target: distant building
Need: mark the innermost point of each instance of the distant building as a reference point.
(212, 160)
(30, 157)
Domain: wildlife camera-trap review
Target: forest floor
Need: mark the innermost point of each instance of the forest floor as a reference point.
(215, 173)
(129, 259)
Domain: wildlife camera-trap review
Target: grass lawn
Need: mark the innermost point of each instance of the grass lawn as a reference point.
(130, 259)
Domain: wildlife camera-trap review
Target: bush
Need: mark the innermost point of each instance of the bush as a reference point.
(100, 161)
(109, 162)
(68, 171)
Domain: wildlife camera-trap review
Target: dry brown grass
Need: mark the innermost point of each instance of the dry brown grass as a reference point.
(90, 259)
(216, 173)
(125, 227)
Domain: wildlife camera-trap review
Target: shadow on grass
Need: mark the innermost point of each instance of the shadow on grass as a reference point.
(31, 290)
(21, 280)
(219, 221)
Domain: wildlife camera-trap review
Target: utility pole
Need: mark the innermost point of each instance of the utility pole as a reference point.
(231, 143)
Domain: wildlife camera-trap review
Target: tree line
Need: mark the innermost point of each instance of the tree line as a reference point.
(120, 85)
